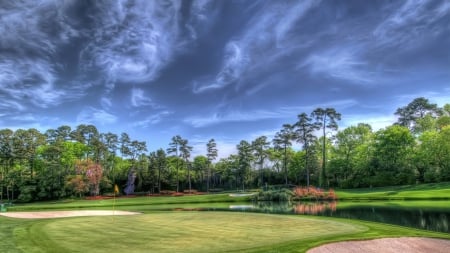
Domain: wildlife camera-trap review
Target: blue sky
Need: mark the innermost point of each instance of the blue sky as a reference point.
(228, 70)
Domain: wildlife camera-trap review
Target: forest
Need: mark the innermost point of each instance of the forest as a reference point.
(65, 162)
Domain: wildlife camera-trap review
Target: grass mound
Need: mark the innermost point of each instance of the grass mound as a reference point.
(175, 231)
(189, 232)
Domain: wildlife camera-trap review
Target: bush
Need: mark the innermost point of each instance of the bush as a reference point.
(274, 195)
(26, 193)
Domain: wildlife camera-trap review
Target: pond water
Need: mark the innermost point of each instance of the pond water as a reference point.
(419, 216)
(416, 215)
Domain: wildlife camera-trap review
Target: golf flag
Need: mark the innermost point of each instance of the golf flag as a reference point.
(116, 188)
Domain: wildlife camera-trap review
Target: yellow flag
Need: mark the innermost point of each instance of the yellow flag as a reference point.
(116, 188)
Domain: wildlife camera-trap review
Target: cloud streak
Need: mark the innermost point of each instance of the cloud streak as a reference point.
(139, 99)
(131, 42)
(343, 63)
(405, 25)
(258, 115)
(152, 120)
(242, 55)
(32, 33)
(91, 115)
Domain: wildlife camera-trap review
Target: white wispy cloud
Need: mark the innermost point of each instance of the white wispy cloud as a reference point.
(138, 98)
(95, 116)
(268, 27)
(406, 25)
(32, 32)
(30, 81)
(256, 115)
(234, 63)
(10, 106)
(343, 63)
(289, 18)
(235, 116)
(28, 26)
(153, 119)
(134, 40)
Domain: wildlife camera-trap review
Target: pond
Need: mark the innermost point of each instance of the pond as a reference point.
(416, 215)
(433, 216)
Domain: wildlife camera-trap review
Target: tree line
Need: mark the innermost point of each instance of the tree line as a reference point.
(65, 162)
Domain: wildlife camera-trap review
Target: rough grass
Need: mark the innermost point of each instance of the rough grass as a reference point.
(136, 202)
(438, 191)
(433, 205)
(188, 232)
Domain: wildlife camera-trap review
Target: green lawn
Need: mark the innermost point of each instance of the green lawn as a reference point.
(138, 203)
(411, 192)
(180, 231)
(188, 232)
(440, 191)
(433, 205)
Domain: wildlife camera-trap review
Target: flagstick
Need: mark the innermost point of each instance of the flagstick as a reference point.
(114, 205)
(114, 201)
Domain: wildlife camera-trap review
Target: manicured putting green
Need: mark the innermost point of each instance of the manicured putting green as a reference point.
(175, 232)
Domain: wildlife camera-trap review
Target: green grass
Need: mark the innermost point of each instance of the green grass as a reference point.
(137, 202)
(157, 231)
(188, 232)
(433, 205)
(438, 191)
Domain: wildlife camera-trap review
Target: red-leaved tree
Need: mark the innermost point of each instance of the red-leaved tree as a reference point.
(93, 173)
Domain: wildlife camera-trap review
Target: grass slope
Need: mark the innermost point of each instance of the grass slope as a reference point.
(138, 203)
(438, 191)
(188, 232)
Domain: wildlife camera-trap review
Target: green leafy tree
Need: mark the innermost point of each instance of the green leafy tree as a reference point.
(283, 140)
(174, 149)
(158, 161)
(409, 115)
(259, 147)
(200, 165)
(425, 158)
(111, 143)
(211, 154)
(393, 147)
(185, 152)
(349, 143)
(444, 119)
(244, 161)
(325, 119)
(304, 134)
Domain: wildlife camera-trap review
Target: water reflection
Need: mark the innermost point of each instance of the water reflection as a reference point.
(315, 208)
(415, 217)
(434, 220)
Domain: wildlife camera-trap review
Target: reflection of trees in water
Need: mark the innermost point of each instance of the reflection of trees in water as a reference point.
(434, 220)
(315, 207)
(298, 208)
(274, 207)
(416, 218)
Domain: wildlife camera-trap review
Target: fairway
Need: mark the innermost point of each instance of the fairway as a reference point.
(175, 232)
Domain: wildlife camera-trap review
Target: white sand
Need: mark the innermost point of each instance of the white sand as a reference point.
(61, 214)
(387, 245)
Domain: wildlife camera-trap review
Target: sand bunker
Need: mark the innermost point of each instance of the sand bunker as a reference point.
(61, 214)
(387, 245)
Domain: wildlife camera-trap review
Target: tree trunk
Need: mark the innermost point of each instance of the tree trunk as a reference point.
(189, 176)
(285, 166)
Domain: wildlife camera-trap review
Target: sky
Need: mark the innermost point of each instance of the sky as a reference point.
(229, 70)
